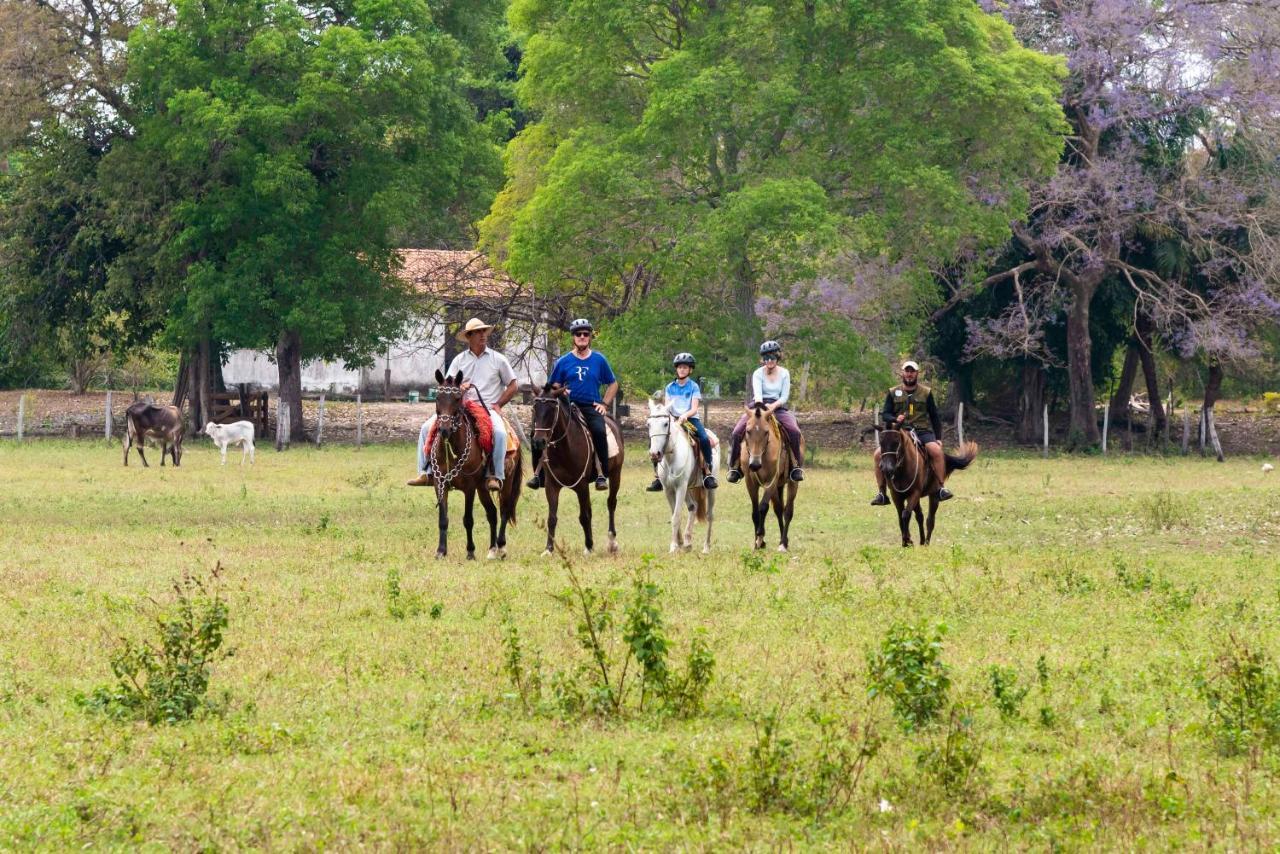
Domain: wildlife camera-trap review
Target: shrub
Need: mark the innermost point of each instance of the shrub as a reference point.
(1006, 692)
(908, 669)
(1241, 688)
(165, 679)
(954, 758)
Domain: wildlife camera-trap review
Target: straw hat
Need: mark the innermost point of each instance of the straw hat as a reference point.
(475, 324)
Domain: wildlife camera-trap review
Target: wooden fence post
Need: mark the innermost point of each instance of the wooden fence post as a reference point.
(282, 424)
(22, 414)
(1202, 431)
(320, 421)
(1186, 429)
(1046, 430)
(107, 426)
(960, 425)
(1106, 424)
(1213, 435)
(359, 420)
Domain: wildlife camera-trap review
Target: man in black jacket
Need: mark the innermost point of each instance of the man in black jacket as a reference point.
(911, 402)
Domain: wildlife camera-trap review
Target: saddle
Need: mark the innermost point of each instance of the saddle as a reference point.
(611, 435)
(484, 429)
(691, 433)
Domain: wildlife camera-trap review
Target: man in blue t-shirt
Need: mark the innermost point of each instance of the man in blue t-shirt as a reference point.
(683, 399)
(583, 371)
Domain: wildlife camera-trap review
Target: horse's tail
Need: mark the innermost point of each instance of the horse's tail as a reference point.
(700, 504)
(967, 454)
(512, 497)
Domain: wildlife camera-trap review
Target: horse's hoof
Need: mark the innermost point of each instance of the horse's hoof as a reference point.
(674, 548)
(706, 550)
(492, 555)
(471, 555)
(782, 548)
(613, 547)
(546, 552)
(440, 555)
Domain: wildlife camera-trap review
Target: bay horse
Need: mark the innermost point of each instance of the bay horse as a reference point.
(910, 477)
(457, 461)
(672, 448)
(567, 459)
(766, 458)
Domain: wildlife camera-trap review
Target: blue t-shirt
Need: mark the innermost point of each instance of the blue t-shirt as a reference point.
(583, 377)
(680, 397)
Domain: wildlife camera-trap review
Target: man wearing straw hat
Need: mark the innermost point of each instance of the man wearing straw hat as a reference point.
(486, 376)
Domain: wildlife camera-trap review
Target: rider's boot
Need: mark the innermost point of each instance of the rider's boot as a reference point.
(940, 471)
(735, 473)
(656, 486)
(880, 500)
(797, 474)
(423, 479)
(944, 494)
(535, 482)
(709, 480)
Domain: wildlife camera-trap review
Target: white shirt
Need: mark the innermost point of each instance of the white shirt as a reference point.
(490, 373)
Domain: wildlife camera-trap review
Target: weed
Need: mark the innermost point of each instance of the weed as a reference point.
(525, 678)
(1006, 692)
(908, 669)
(1047, 716)
(401, 604)
(1241, 688)
(368, 480)
(835, 582)
(753, 561)
(1163, 511)
(165, 680)
(953, 759)
(1133, 580)
(1175, 600)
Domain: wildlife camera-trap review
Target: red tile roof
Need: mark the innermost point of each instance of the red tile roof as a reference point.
(453, 273)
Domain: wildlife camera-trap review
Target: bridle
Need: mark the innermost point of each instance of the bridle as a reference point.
(448, 422)
(560, 404)
(777, 465)
(902, 438)
(666, 436)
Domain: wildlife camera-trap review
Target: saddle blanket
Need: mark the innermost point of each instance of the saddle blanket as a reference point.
(484, 429)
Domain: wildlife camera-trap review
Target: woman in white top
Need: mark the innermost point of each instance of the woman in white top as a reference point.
(770, 385)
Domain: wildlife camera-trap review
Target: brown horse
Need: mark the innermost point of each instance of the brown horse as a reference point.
(766, 457)
(910, 477)
(457, 461)
(562, 443)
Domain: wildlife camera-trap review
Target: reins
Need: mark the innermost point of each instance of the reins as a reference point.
(884, 453)
(564, 436)
(775, 429)
(443, 478)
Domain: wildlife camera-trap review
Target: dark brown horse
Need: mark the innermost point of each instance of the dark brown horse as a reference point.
(568, 461)
(910, 477)
(457, 461)
(766, 457)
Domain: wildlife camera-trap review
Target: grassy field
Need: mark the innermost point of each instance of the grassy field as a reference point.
(1103, 592)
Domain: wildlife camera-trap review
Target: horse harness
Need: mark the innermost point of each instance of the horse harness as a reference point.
(776, 429)
(560, 404)
(443, 478)
(914, 477)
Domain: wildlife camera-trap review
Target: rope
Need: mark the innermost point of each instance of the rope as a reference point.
(902, 437)
(552, 442)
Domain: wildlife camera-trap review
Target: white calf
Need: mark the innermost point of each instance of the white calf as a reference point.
(241, 432)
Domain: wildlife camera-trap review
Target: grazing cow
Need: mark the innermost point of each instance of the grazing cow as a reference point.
(239, 433)
(161, 422)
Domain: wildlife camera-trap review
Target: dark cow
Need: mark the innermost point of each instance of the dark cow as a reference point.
(144, 419)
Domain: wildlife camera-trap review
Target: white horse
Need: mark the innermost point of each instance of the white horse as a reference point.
(680, 479)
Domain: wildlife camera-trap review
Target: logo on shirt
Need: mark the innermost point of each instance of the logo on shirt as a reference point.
(582, 372)
(897, 392)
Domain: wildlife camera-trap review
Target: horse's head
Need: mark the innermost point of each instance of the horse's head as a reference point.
(892, 450)
(448, 402)
(759, 429)
(547, 407)
(659, 430)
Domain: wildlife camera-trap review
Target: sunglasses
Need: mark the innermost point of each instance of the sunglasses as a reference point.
(582, 335)
(770, 358)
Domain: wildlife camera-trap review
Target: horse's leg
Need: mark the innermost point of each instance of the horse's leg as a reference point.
(675, 498)
(491, 514)
(904, 520)
(468, 519)
(933, 509)
(584, 517)
(443, 548)
(757, 515)
(924, 541)
(553, 504)
(787, 511)
(691, 511)
(780, 513)
(615, 481)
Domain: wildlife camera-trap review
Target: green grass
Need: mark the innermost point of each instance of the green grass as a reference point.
(345, 724)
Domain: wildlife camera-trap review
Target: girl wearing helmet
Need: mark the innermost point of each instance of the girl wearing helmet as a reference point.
(770, 385)
(683, 399)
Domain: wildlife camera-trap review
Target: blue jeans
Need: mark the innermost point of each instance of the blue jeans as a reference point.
(703, 441)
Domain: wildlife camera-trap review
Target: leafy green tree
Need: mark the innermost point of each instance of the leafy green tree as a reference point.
(734, 149)
(279, 147)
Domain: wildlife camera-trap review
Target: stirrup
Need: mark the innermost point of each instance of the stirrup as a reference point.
(535, 482)
(880, 500)
(710, 482)
(734, 475)
(797, 474)
(656, 486)
(493, 484)
(944, 493)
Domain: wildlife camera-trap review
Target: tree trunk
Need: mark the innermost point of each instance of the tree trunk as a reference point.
(203, 389)
(1084, 420)
(1031, 403)
(1146, 354)
(1214, 385)
(289, 363)
(1119, 407)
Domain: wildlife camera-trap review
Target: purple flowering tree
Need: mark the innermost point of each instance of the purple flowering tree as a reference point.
(1168, 182)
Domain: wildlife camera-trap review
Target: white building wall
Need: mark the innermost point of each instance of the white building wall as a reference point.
(414, 362)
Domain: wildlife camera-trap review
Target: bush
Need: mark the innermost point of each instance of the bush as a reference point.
(1241, 688)
(954, 758)
(1006, 692)
(165, 680)
(908, 669)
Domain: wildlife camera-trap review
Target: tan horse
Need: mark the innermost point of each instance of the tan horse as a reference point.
(766, 458)
(910, 477)
(458, 462)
